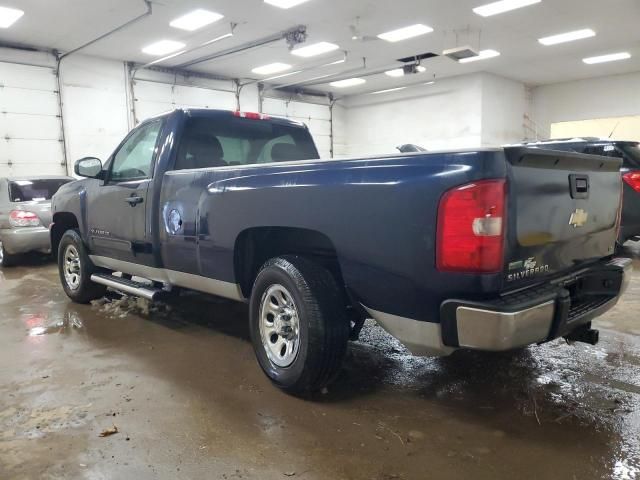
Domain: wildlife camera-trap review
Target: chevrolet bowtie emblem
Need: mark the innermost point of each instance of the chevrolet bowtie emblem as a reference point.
(579, 218)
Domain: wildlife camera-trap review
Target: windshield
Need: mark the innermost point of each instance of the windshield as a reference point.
(219, 142)
(632, 152)
(34, 190)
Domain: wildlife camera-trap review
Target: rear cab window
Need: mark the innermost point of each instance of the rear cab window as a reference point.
(34, 190)
(234, 141)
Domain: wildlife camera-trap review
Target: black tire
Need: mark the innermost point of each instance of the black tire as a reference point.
(323, 324)
(7, 260)
(83, 290)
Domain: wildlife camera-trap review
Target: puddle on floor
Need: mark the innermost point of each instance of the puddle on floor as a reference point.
(70, 321)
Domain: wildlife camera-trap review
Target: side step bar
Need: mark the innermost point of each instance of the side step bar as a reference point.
(126, 286)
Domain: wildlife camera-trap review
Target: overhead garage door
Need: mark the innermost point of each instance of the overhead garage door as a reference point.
(152, 98)
(316, 117)
(30, 127)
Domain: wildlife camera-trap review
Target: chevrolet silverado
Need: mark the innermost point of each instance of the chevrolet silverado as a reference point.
(490, 249)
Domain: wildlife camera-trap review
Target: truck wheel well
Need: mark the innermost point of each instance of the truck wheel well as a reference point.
(62, 222)
(255, 246)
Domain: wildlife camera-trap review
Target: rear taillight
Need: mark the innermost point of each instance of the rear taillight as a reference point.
(251, 115)
(471, 222)
(633, 179)
(21, 218)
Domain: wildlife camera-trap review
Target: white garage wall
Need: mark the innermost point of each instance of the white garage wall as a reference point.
(340, 138)
(458, 112)
(30, 127)
(604, 97)
(97, 108)
(316, 117)
(94, 106)
(616, 128)
(156, 93)
(445, 115)
(504, 105)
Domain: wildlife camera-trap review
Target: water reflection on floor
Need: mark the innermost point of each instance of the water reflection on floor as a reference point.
(181, 384)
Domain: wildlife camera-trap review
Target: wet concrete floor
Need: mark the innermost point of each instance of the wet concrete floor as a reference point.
(189, 401)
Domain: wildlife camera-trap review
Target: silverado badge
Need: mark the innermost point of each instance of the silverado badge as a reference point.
(527, 268)
(578, 218)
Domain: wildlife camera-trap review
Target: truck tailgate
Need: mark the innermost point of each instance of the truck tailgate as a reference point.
(563, 212)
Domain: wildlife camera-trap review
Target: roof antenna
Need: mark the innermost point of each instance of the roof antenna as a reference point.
(614, 129)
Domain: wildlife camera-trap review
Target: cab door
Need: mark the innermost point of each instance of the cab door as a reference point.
(117, 209)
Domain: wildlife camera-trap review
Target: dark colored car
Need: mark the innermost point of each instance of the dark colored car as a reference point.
(25, 215)
(488, 249)
(629, 152)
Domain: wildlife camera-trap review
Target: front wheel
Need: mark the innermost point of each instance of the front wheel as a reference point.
(75, 268)
(298, 324)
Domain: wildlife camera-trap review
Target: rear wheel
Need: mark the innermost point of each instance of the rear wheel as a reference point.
(7, 260)
(298, 323)
(75, 268)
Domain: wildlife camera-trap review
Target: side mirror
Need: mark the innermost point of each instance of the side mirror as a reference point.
(89, 167)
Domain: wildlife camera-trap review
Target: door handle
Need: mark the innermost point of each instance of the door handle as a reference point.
(134, 200)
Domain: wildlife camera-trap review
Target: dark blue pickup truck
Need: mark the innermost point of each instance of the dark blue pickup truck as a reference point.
(488, 249)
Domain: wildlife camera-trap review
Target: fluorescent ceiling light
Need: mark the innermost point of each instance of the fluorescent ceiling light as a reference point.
(337, 62)
(194, 20)
(503, 6)
(612, 57)
(182, 52)
(217, 39)
(387, 90)
(282, 76)
(163, 47)
(272, 68)
(285, 3)
(349, 82)
(567, 37)
(9, 16)
(483, 55)
(315, 49)
(165, 58)
(406, 32)
(399, 72)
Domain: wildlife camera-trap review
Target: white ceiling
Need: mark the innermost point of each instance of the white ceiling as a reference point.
(65, 24)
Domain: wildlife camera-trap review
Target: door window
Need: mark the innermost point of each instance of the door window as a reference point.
(134, 160)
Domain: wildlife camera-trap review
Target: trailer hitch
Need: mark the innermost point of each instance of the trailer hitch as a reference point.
(583, 334)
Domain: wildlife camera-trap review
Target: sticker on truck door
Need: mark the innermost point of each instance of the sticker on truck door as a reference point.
(174, 222)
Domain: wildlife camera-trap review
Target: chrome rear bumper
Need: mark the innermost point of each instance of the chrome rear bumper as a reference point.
(480, 327)
(556, 313)
(496, 331)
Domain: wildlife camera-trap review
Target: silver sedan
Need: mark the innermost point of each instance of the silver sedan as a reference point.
(25, 215)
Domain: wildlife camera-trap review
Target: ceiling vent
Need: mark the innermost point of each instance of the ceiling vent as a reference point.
(460, 53)
(417, 58)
